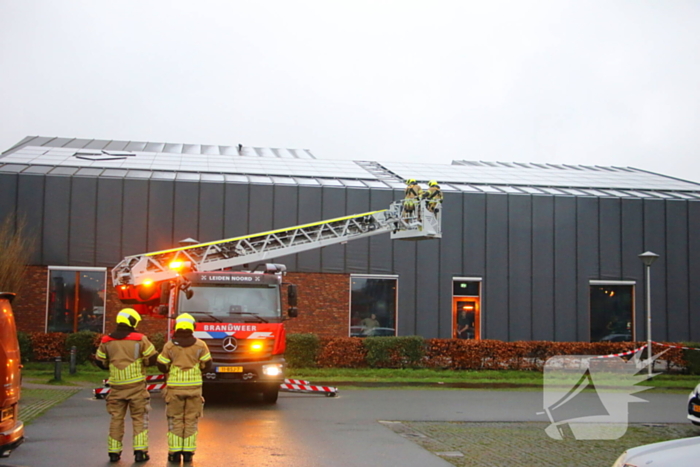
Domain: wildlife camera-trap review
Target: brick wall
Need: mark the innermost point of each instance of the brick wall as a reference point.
(323, 304)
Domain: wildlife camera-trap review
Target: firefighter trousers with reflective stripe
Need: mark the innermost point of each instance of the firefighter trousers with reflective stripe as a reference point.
(136, 399)
(184, 406)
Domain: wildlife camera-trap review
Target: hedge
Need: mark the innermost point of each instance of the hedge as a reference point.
(457, 354)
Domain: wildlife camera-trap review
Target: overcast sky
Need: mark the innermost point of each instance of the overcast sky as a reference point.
(614, 83)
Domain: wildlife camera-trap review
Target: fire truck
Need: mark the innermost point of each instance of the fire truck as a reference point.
(239, 313)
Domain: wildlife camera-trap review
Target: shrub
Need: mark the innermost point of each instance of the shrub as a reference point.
(84, 342)
(395, 352)
(158, 340)
(302, 350)
(25, 347)
(342, 352)
(47, 346)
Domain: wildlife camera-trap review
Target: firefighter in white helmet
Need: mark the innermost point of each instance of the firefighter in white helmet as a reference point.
(126, 353)
(183, 359)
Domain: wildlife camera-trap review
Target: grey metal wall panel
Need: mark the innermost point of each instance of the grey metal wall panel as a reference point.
(520, 267)
(678, 319)
(211, 209)
(632, 267)
(406, 266)
(286, 203)
(450, 258)
(83, 217)
(57, 205)
(587, 233)
(474, 234)
(494, 315)
(30, 206)
(109, 222)
(381, 246)
(543, 267)
(357, 251)
(8, 195)
(236, 210)
(655, 240)
(261, 208)
(694, 268)
(135, 217)
(161, 211)
(186, 215)
(565, 283)
(333, 257)
(427, 288)
(310, 202)
(610, 239)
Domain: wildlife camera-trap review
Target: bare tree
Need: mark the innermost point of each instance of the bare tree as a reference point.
(16, 248)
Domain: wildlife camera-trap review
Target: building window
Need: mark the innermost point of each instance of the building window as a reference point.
(612, 312)
(466, 308)
(76, 300)
(373, 302)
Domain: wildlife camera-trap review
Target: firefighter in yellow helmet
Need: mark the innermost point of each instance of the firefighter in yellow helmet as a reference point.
(412, 194)
(183, 360)
(126, 353)
(433, 196)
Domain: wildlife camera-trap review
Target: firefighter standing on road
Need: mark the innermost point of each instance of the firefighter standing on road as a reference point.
(125, 353)
(183, 359)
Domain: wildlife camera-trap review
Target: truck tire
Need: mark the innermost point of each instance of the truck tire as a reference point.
(270, 395)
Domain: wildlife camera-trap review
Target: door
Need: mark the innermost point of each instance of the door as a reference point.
(466, 318)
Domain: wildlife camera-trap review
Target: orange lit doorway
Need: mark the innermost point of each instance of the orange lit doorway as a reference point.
(466, 322)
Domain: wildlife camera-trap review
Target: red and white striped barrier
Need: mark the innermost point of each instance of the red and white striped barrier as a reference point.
(289, 385)
(622, 354)
(674, 346)
(329, 391)
(101, 393)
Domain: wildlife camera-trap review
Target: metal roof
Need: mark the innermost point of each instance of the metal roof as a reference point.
(209, 163)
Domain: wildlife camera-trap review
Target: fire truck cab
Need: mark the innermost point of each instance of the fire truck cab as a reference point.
(239, 315)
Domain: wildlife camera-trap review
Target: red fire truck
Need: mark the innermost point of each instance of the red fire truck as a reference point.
(239, 313)
(11, 428)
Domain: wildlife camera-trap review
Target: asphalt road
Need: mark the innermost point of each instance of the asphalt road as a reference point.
(300, 430)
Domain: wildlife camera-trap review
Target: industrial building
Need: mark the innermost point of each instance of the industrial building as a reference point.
(528, 251)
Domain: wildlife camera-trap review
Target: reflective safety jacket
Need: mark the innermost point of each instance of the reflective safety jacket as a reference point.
(126, 358)
(184, 364)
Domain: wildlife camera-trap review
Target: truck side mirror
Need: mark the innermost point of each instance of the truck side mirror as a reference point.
(292, 295)
(292, 312)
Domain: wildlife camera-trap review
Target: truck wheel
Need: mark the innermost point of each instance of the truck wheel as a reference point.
(270, 395)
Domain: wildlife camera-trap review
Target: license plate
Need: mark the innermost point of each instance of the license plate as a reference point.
(230, 369)
(7, 414)
(696, 408)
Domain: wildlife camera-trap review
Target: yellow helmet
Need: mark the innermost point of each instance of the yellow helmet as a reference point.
(433, 183)
(410, 181)
(128, 316)
(184, 321)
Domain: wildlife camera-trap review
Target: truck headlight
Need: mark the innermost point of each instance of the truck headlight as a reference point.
(274, 369)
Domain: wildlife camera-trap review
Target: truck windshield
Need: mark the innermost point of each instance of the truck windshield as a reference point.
(230, 304)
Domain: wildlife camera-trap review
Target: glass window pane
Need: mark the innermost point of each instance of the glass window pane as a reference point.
(611, 313)
(76, 301)
(373, 307)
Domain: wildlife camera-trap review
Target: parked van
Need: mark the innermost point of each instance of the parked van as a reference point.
(11, 429)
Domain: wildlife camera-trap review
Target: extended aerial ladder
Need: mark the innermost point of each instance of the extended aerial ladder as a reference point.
(417, 224)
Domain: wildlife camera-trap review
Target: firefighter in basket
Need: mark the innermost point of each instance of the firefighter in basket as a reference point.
(183, 360)
(412, 195)
(433, 196)
(126, 353)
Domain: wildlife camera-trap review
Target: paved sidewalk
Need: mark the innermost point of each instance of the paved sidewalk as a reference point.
(38, 398)
(525, 444)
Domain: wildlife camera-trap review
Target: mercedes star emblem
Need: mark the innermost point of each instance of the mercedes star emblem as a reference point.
(230, 344)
